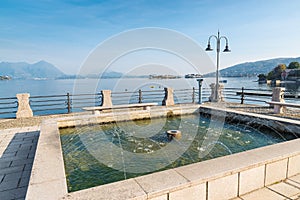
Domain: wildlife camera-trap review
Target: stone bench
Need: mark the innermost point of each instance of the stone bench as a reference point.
(97, 109)
(280, 106)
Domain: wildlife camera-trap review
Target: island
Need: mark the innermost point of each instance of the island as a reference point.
(163, 77)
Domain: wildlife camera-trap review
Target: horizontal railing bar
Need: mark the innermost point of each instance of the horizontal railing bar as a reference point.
(9, 98)
(76, 95)
(5, 108)
(49, 96)
(50, 100)
(83, 99)
(11, 112)
(7, 103)
(45, 105)
(49, 109)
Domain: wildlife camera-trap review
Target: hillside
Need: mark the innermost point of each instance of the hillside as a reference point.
(23, 70)
(254, 68)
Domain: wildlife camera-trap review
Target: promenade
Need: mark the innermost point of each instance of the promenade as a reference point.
(19, 137)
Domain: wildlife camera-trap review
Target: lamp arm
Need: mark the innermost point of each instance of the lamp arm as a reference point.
(225, 39)
(212, 37)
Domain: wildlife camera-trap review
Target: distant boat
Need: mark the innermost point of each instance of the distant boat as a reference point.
(222, 81)
(193, 76)
(5, 78)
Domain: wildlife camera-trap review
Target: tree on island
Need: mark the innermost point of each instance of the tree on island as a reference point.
(275, 74)
(294, 65)
(262, 78)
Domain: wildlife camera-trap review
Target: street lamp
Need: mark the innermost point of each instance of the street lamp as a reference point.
(218, 38)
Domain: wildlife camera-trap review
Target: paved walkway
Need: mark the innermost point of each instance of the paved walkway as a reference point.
(17, 151)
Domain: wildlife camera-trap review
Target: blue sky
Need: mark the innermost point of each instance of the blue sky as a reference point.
(65, 32)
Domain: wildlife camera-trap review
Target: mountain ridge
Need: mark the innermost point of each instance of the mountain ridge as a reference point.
(24, 70)
(253, 68)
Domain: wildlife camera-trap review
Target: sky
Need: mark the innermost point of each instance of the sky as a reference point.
(65, 32)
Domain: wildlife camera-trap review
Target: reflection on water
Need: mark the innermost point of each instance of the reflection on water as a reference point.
(91, 157)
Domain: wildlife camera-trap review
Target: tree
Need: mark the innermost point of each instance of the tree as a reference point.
(275, 74)
(294, 65)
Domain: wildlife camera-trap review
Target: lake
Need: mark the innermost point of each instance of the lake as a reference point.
(53, 87)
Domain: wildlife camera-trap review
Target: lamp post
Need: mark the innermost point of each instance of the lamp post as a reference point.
(218, 38)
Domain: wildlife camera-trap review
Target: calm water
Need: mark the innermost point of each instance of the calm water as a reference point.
(53, 87)
(96, 155)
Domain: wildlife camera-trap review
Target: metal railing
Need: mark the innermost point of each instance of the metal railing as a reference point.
(8, 107)
(68, 103)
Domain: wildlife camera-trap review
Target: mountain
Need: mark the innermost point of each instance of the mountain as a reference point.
(254, 68)
(23, 70)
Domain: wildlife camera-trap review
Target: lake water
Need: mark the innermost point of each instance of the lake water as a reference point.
(53, 87)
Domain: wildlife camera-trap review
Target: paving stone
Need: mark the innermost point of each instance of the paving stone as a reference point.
(12, 176)
(4, 164)
(26, 173)
(24, 182)
(18, 193)
(23, 153)
(285, 189)
(262, 194)
(22, 156)
(10, 150)
(25, 148)
(12, 170)
(9, 185)
(7, 155)
(21, 162)
(28, 167)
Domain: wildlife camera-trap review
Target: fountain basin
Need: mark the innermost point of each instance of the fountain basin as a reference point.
(197, 175)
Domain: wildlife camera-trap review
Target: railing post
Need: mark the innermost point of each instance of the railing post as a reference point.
(242, 96)
(68, 102)
(200, 90)
(140, 96)
(193, 95)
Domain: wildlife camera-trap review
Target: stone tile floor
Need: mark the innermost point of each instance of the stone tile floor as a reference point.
(17, 151)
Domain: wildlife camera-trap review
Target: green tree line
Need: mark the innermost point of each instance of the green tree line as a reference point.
(275, 74)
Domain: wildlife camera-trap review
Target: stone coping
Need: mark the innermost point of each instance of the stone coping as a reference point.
(48, 179)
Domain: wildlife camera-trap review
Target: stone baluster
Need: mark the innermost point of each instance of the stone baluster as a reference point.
(106, 98)
(169, 98)
(24, 109)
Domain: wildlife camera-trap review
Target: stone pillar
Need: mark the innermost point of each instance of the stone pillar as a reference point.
(106, 98)
(169, 99)
(278, 96)
(24, 109)
(212, 97)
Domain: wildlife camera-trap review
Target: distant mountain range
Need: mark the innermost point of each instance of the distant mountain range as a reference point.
(253, 68)
(45, 70)
(23, 70)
